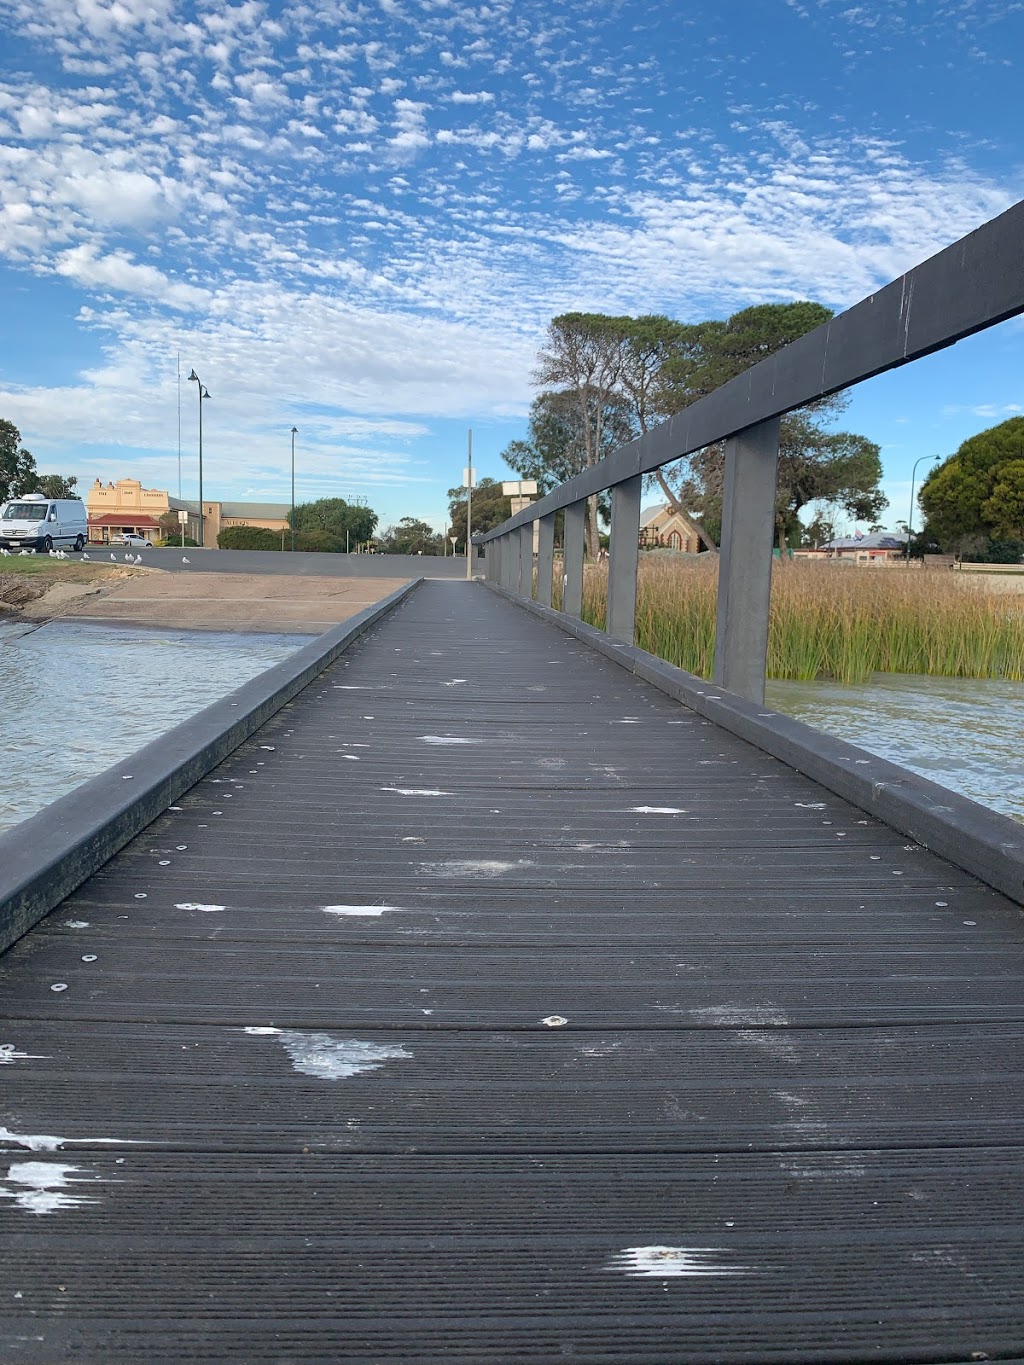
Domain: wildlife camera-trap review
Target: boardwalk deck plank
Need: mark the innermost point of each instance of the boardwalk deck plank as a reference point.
(793, 1046)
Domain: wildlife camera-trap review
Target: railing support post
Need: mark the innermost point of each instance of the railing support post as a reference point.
(525, 538)
(506, 561)
(745, 562)
(572, 590)
(622, 559)
(545, 558)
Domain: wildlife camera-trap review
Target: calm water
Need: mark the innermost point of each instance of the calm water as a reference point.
(964, 733)
(77, 697)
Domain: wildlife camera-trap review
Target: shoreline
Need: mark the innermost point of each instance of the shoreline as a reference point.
(228, 602)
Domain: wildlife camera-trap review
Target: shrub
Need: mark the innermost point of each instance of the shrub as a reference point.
(321, 541)
(248, 538)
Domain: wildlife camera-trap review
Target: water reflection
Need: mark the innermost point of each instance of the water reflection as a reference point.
(76, 697)
(965, 733)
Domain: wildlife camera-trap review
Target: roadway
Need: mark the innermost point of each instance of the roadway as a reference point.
(300, 563)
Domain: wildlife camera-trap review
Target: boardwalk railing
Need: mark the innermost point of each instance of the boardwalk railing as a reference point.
(973, 284)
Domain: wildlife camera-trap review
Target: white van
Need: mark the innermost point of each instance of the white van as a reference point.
(35, 522)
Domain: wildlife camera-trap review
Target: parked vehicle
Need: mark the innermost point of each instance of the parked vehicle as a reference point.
(35, 522)
(130, 539)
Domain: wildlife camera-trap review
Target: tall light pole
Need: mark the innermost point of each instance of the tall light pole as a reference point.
(203, 393)
(294, 434)
(469, 508)
(910, 518)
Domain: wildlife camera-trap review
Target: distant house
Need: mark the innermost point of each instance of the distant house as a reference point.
(660, 526)
(880, 547)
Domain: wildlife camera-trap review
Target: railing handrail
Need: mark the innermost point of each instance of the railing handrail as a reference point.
(973, 284)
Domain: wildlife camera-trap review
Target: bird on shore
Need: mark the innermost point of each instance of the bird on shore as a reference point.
(138, 559)
(185, 561)
(113, 559)
(85, 556)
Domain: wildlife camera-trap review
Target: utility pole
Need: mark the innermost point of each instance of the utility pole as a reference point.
(469, 507)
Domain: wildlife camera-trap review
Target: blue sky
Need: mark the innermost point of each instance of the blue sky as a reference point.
(357, 218)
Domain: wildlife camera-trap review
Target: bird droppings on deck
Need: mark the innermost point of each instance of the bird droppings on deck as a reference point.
(329, 1058)
(555, 1021)
(416, 791)
(743, 1015)
(10, 1054)
(199, 905)
(658, 810)
(473, 867)
(359, 909)
(811, 805)
(448, 739)
(41, 1186)
(77, 923)
(48, 1142)
(664, 1262)
(59, 986)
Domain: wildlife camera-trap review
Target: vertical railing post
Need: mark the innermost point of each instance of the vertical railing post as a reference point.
(509, 562)
(491, 560)
(745, 560)
(622, 559)
(545, 558)
(524, 536)
(572, 590)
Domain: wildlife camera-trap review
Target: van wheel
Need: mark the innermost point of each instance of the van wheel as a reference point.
(80, 543)
(47, 544)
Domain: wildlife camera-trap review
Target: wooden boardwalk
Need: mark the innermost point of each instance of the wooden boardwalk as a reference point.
(490, 1006)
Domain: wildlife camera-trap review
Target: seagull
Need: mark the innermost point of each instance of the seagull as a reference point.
(28, 552)
(185, 561)
(6, 553)
(128, 559)
(138, 559)
(85, 556)
(113, 559)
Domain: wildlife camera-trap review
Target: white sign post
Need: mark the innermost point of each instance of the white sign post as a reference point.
(182, 522)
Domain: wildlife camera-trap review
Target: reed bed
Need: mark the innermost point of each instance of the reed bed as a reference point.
(829, 621)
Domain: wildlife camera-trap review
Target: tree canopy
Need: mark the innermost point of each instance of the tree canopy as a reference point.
(490, 508)
(610, 378)
(409, 536)
(335, 517)
(18, 473)
(17, 467)
(978, 492)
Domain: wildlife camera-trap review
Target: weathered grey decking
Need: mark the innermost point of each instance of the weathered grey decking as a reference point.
(793, 1046)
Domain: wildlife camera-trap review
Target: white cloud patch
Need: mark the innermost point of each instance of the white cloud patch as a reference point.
(119, 272)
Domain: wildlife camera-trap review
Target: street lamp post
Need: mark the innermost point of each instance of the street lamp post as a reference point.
(294, 433)
(910, 518)
(203, 393)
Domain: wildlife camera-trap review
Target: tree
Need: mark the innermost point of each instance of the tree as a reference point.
(583, 356)
(56, 486)
(979, 491)
(335, 516)
(17, 467)
(490, 508)
(815, 465)
(555, 448)
(410, 536)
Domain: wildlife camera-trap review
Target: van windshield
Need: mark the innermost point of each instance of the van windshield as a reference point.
(26, 511)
